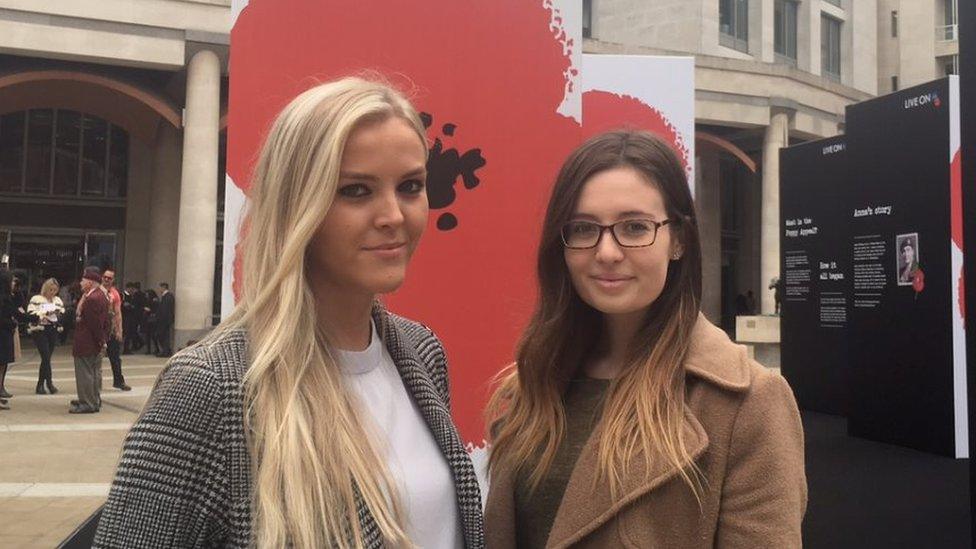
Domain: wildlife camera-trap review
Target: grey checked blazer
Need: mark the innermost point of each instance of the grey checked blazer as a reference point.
(184, 478)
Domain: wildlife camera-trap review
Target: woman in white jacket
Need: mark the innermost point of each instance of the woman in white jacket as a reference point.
(45, 311)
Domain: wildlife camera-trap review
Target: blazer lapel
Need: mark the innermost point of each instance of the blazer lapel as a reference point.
(586, 506)
(417, 380)
(419, 385)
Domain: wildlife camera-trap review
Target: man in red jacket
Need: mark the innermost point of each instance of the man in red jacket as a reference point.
(91, 335)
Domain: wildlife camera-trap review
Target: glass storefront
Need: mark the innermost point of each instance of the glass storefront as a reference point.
(62, 153)
(63, 183)
(35, 255)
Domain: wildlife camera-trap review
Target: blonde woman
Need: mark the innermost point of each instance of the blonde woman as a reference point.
(311, 417)
(630, 420)
(45, 311)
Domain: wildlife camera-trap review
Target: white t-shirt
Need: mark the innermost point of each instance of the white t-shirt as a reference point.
(422, 475)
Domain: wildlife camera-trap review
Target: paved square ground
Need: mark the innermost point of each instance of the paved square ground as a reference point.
(55, 467)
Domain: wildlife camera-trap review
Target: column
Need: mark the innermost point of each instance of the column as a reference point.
(164, 211)
(137, 204)
(708, 199)
(777, 137)
(197, 236)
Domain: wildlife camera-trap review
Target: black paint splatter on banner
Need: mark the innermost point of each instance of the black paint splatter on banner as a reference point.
(444, 166)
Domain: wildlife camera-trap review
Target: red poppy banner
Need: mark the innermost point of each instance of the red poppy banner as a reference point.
(501, 87)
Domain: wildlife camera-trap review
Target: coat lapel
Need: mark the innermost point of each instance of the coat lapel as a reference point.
(586, 506)
(500, 510)
(417, 380)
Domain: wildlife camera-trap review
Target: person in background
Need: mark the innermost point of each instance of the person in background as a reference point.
(165, 318)
(741, 305)
(149, 321)
(69, 294)
(10, 317)
(776, 285)
(20, 302)
(92, 330)
(20, 295)
(133, 303)
(45, 312)
(116, 335)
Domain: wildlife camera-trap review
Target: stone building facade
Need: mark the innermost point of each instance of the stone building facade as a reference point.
(111, 124)
(769, 73)
(918, 41)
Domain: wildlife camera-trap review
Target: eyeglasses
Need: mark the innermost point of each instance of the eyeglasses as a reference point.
(629, 233)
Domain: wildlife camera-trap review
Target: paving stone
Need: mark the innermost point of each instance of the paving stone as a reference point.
(54, 460)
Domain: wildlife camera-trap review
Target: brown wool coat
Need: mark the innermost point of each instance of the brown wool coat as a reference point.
(743, 429)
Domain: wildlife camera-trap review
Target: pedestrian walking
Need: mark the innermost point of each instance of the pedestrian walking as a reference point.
(93, 325)
(45, 311)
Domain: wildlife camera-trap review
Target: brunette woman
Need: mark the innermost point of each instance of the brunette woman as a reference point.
(629, 420)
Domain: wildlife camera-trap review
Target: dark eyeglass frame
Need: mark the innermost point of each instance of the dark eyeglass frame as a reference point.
(613, 232)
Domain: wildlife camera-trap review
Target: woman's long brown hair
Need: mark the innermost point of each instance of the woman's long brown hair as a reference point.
(643, 414)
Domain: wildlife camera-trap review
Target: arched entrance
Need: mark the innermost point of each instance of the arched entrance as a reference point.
(727, 209)
(64, 177)
(76, 154)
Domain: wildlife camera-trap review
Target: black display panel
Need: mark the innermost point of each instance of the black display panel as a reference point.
(815, 270)
(901, 361)
(967, 92)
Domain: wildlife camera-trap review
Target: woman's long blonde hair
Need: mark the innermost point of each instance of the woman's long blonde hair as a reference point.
(312, 458)
(643, 414)
(50, 285)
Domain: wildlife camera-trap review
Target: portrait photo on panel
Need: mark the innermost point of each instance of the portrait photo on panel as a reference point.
(906, 246)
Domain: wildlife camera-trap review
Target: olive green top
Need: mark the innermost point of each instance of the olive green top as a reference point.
(535, 511)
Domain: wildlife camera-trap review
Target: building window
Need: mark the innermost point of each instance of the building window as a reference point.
(950, 17)
(894, 83)
(835, 2)
(118, 162)
(894, 24)
(950, 64)
(57, 152)
(830, 47)
(784, 35)
(67, 143)
(40, 139)
(94, 147)
(733, 22)
(12, 136)
(587, 18)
